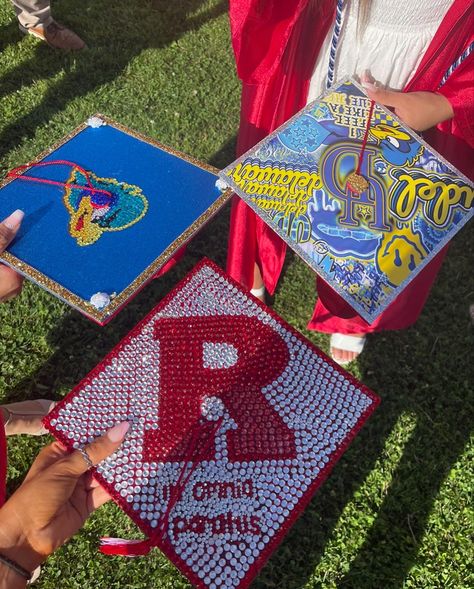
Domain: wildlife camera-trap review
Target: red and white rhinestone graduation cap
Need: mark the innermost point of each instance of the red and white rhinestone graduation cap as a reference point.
(236, 420)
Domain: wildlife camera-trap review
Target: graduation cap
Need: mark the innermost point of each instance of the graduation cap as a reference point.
(236, 419)
(359, 196)
(106, 209)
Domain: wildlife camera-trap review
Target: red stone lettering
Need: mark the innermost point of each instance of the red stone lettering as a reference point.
(185, 383)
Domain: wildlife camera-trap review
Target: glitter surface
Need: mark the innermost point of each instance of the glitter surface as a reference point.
(215, 380)
(181, 196)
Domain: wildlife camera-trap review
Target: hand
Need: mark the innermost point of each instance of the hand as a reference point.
(10, 281)
(55, 499)
(419, 110)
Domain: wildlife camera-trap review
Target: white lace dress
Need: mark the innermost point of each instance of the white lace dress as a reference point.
(390, 46)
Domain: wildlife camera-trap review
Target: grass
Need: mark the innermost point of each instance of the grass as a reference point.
(397, 510)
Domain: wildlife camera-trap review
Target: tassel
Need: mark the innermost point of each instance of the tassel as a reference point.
(121, 547)
(134, 548)
(18, 174)
(355, 181)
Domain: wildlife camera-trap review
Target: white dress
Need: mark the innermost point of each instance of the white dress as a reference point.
(390, 46)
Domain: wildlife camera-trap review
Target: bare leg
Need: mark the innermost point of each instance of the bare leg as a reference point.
(257, 277)
(258, 288)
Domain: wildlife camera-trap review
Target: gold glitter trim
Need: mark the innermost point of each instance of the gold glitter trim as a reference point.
(50, 285)
(104, 316)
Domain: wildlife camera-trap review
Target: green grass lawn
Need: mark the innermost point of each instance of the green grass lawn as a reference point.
(397, 509)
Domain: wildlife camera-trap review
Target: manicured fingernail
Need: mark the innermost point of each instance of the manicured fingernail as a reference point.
(117, 433)
(13, 221)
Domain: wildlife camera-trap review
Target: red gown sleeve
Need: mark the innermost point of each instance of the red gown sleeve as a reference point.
(459, 90)
(260, 32)
(3, 464)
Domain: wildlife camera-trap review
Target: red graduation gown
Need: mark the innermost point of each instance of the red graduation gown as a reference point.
(276, 45)
(3, 464)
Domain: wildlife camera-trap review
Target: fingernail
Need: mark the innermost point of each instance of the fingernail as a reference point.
(117, 433)
(13, 221)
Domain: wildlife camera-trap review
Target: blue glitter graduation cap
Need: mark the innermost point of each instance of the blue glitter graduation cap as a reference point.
(105, 209)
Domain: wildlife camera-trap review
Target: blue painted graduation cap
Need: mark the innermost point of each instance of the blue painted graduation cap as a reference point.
(354, 192)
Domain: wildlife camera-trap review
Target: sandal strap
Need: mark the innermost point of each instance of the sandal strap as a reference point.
(349, 343)
(258, 292)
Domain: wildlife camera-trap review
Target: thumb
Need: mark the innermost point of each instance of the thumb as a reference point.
(97, 450)
(9, 228)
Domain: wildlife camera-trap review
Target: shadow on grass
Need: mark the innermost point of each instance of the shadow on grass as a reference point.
(225, 155)
(9, 35)
(115, 32)
(424, 371)
(427, 371)
(432, 365)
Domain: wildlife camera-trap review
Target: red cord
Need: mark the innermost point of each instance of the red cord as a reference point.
(18, 172)
(143, 547)
(182, 481)
(366, 136)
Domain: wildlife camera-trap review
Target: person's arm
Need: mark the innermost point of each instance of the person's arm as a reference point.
(15, 547)
(55, 499)
(459, 91)
(419, 110)
(10, 281)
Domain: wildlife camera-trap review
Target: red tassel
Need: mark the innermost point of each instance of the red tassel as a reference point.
(17, 174)
(134, 548)
(120, 547)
